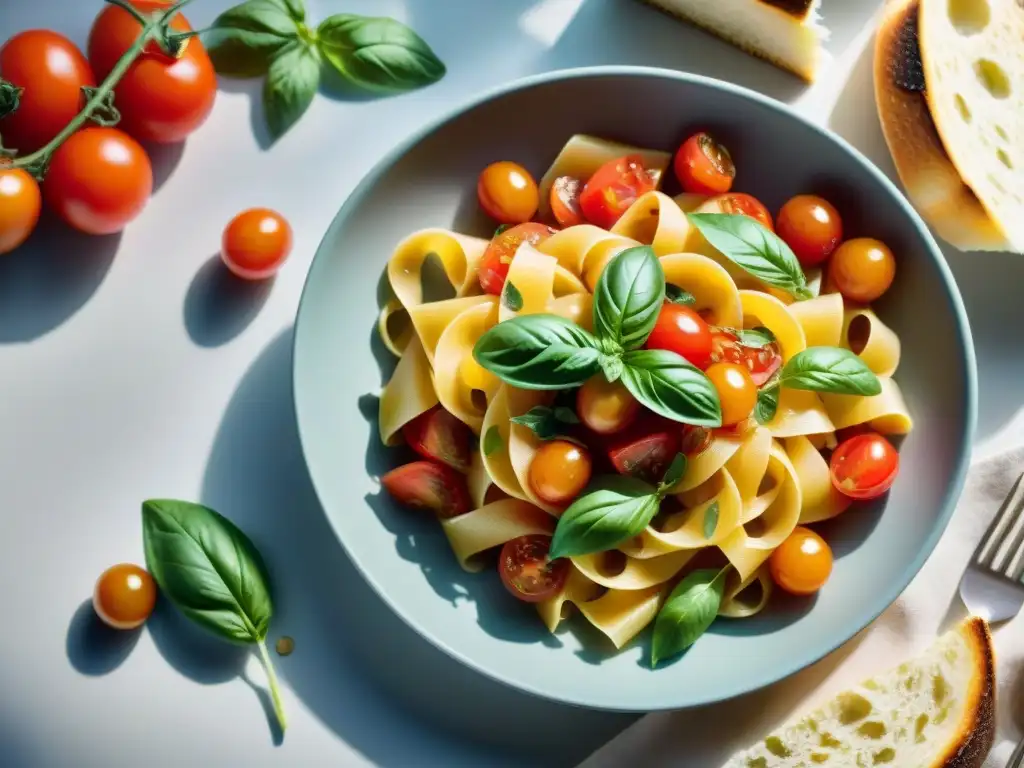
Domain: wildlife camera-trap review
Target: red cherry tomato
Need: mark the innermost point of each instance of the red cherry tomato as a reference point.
(160, 98)
(802, 563)
(429, 485)
(703, 166)
(496, 259)
(527, 572)
(646, 456)
(761, 361)
(437, 434)
(52, 71)
(565, 201)
(613, 188)
(864, 466)
(98, 180)
(256, 243)
(811, 226)
(681, 330)
(748, 205)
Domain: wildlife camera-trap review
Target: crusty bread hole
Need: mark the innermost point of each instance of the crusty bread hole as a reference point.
(969, 17)
(993, 78)
(962, 108)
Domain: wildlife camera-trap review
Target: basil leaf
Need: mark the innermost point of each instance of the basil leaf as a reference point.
(678, 295)
(492, 441)
(291, 84)
(566, 415)
(295, 8)
(378, 53)
(511, 297)
(628, 297)
(614, 510)
(674, 473)
(687, 614)
(767, 404)
(830, 369)
(208, 568)
(612, 366)
(539, 352)
(244, 40)
(672, 387)
(755, 337)
(711, 520)
(546, 422)
(754, 248)
(501, 228)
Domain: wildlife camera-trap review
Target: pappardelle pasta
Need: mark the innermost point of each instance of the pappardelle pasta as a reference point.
(642, 402)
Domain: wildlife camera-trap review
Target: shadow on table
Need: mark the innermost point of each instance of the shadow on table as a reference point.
(356, 665)
(92, 647)
(219, 306)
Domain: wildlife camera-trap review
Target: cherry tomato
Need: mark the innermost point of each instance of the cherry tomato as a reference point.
(437, 434)
(605, 406)
(811, 226)
(695, 440)
(802, 563)
(703, 166)
(256, 243)
(862, 269)
(736, 391)
(761, 361)
(160, 98)
(864, 466)
(646, 456)
(565, 201)
(526, 570)
(559, 471)
(681, 330)
(429, 485)
(613, 188)
(494, 264)
(124, 596)
(19, 207)
(507, 193)
(99, 180)
(748, 205)
(52, 72)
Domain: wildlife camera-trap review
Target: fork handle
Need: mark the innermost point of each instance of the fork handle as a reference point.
(1017, 758)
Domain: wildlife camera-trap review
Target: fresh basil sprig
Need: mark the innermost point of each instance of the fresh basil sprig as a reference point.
(547, 423)
(755, 248)
(672, 387)
(539, 352)
(212, 572)
(272, 38)
(686, 615)
(628, 298)
(511, 297)
(767, 402)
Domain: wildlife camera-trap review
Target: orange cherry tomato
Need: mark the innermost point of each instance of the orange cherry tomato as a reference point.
(565, 201)
(256, 243)
(20, 202)
(614, 187)
(160, 98)
(736, 391)
(681, 330)
(811, 226)
(496, 259)
(864, 466)
(124, 596)
(862, 269)
(526, 570)
(98, 180)
(560, 470)
(703, 166)
(748, 205)
(802, 563)
(508, 193)
(52, 71)
(606, 406)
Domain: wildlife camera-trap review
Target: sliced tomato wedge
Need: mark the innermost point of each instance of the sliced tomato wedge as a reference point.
(496, 259)
(614, 187)
(646, 450)
(437, 434)
(565, 201)
(748, 205)
(527, 572)
(695, 440)
(429, 485)
(762, 362)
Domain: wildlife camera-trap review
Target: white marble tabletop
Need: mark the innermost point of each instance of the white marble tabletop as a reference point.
(129, 368)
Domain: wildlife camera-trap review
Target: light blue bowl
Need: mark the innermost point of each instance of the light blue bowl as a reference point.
(431, 181)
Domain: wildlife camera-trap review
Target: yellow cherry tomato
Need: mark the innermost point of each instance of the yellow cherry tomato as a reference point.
(508, 193)
(560, 470)
(124, 596)
(802, 563)
(605, 406)
(862, 269)
(736, 391)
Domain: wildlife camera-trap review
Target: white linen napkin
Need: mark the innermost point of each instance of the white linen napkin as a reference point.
(709, 736)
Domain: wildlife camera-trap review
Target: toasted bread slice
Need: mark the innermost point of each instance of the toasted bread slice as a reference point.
(787, 33)
(935, 711)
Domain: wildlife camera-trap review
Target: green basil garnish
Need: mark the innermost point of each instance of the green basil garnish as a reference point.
(710, 520)
(492, 440)
(628, 297)
(834, 370)
(539, 352)
(755, 337)
(511, 297)
(292, 82)
(244, 40)
(674, 473)
(614, 510)
(678, 295)
(672, 387)
(767, 403)
(547, 423)
(686, 615)
(212, 573)
(753, 247)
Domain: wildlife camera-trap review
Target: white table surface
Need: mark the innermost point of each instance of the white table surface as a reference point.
(130, 368)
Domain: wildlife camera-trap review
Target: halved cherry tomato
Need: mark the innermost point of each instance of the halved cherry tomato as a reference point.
(802, 563)
(736, 391)
(498, 256)
(606, 406)
(256, 243)
(864, 466)
(681, 330)
(748, 205)
(613, 188)
(437, 434)
(507, 193)
(762, 362)
(565, 201)
(429, 485)
(862, 269)
(646, 456)
(703, 166)
(20, 202)
(526, 570)
(811, 226)
(695, 440)
(124, 596)
(560, 470)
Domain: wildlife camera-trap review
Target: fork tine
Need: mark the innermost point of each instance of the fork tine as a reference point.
(997, 531)
(1015, 572)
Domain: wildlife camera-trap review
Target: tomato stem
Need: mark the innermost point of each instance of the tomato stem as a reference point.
(127, 6)
(275, 693)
